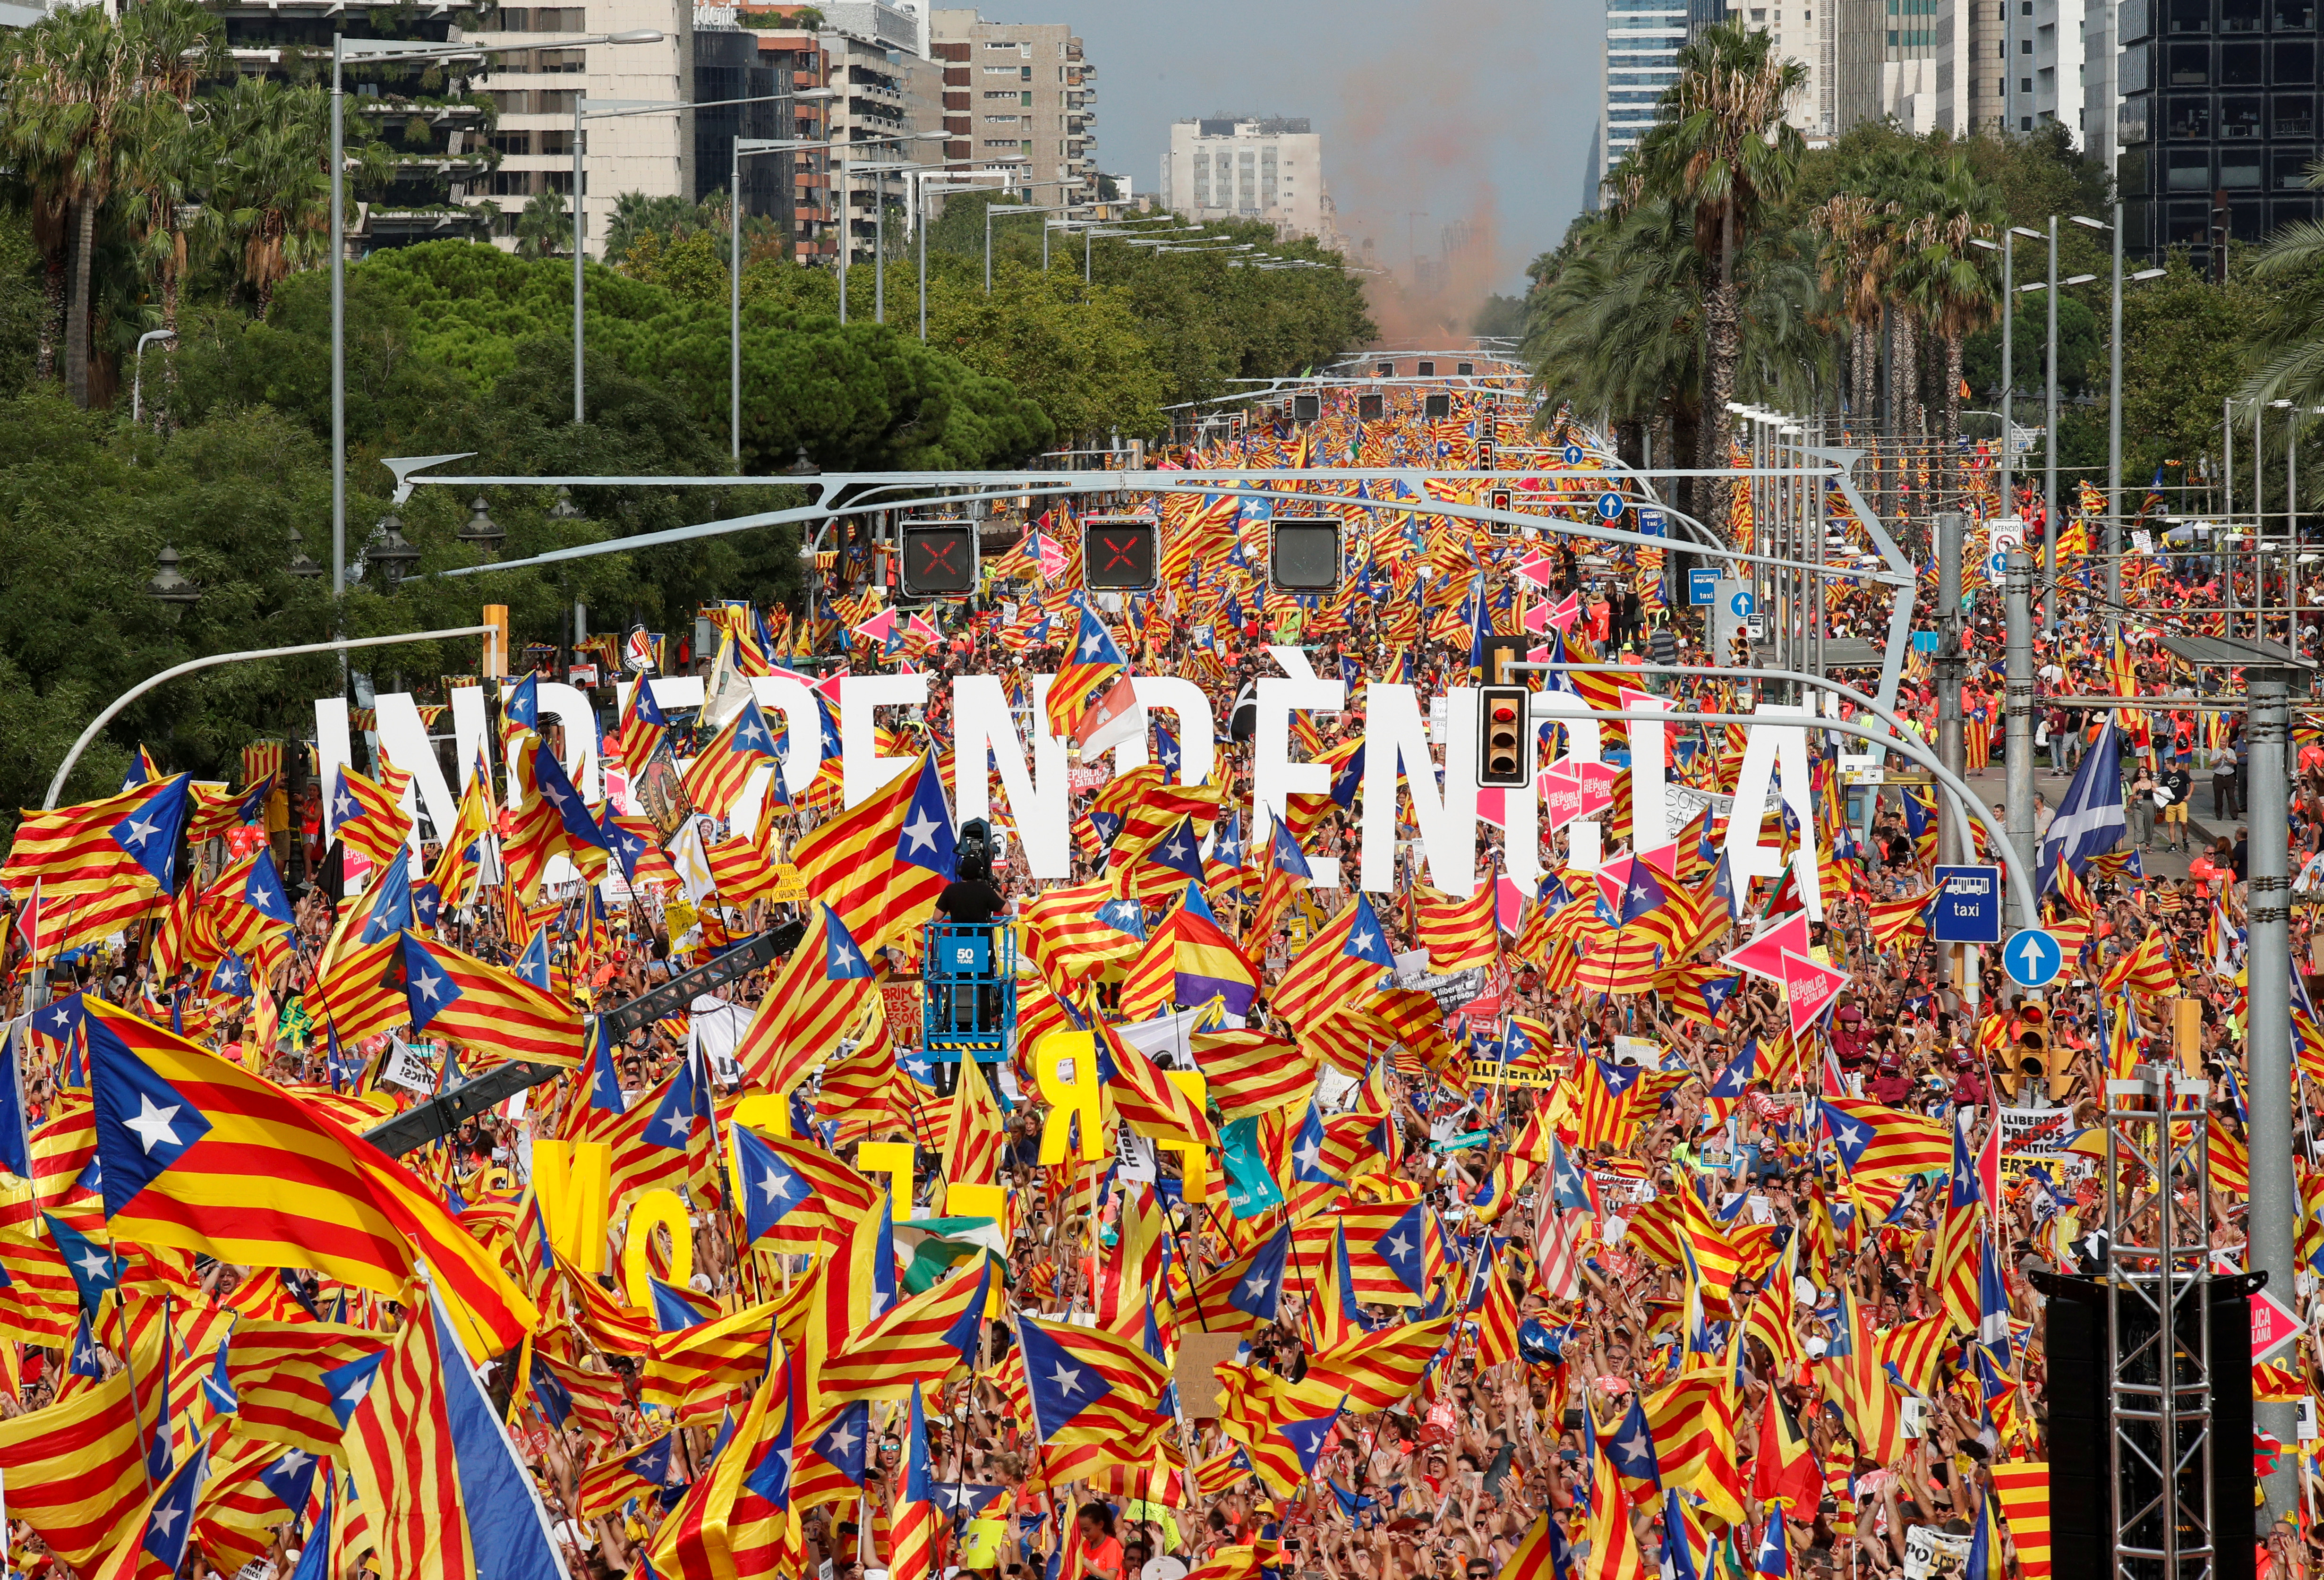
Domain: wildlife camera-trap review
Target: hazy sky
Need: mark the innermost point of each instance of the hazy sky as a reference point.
(1443, 110)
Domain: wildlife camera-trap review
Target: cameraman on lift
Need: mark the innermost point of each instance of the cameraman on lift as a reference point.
(971, 900)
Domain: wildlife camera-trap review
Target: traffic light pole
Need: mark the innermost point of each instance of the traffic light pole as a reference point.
(1953, 841)
(2017, 687)
(2274, 1198)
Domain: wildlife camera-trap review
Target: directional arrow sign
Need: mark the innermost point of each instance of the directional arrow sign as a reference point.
(2034, 958)
(1763, 955)
(1809, 988)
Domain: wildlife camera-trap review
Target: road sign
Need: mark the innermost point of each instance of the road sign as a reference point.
(2034, 958)
(1651, 522)
(2003, 534)
(2273, 1324)
(1609, 506)
(1996, 569)
(1966, 909)
(1702, 584)
(1925, 641)
(1573, 455)
(1742, 604)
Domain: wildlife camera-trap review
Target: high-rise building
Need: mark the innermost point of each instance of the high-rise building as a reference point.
(1235, 168)
(1642, 39)
(1020, 102)
(1806, 32)
(2217, 121)
(534, 81)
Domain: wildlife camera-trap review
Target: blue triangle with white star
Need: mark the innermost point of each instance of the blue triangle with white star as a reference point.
(144, 1123)
(348, 1384)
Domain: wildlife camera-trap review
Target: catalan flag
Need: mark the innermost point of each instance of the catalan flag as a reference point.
(1088, 1385)
(275, 1371)
(716, 780)
(2022, 1487)
(1459, 933)
(155, 1544)
(551, 820)
(368, 816)
(461, 999)
(200, 1153)
(824, 988)
(643, 727)
(1096, 662)
(1281, 1424)
(1379, 1371)
(880, 864)
(636, 1473)
(1345, 959)
(1876, 1142)
(917, 1341)
(75, 1470)
(126, 841)
(446, 1495)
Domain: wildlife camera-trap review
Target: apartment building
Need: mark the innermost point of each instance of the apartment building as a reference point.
(1019, 103)
(1270, 169)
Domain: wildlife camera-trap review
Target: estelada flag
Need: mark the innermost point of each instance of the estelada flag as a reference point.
(880, 864)
(198, 1153)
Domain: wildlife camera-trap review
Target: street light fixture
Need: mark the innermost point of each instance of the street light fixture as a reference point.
(304, 569)
(481, 533)
(392, 552)
(343, 50)
(170, 589)
(137, 384)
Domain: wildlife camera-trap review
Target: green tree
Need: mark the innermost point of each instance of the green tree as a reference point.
(1720, 144)
(543, 229)
(1077, 350)
(269, 212)
(71, 90)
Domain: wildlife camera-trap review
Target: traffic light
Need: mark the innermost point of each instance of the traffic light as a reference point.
(1307, 407)
(1436, 405)
(1501, 756)
(939, 558)
(1372, 408)
(1485, 456)
(1500, 499)
(1118, 553)
(1303, 556)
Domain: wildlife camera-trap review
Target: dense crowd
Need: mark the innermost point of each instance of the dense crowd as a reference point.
(1654, 1271)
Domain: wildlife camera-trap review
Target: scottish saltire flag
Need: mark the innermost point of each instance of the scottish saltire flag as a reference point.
(2089, 820)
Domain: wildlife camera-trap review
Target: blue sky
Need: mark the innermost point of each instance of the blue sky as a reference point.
(1432, 113)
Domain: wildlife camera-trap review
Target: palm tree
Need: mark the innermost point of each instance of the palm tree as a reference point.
(542, 230)
(1720, 146)
(2288, 338)
(72, 93)
(1952, 290)
(270, 196)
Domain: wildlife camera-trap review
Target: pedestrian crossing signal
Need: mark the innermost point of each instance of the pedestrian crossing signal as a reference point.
(1502, 738)
(1118, 553)
(1303, 556)
(939, 558)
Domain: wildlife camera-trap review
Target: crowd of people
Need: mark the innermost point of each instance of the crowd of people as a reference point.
(1662, 1315)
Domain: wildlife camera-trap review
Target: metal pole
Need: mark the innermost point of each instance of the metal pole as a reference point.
(846, 234)
(988, 246)
(2222, 567)
(2114, 449)
(580, 245)
(338, 334)
(2018, 692)
(2008, 504)
(2259, 517)
(2050, 458)
(2274, 1199)
(880, 250)
(1952, 840)
(64, 769)
(734, 309)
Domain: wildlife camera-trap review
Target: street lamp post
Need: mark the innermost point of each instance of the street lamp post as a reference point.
(137, 383)
(1013, 211)
(343, 50)
(607, 108)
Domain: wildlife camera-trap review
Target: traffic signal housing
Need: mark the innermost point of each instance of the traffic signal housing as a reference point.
(1304, 555)
(1370, 408)
(1386, 369)
(1502, 738)
(1119, 553)
(1485, 462)
(1436, 405)
(938, 559)
(1307, 407)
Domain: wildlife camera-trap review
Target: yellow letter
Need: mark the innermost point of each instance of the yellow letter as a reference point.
(573, 1182)
(1193, 1159)
(656, 1208)
(767, 1111)
(894, 1159)
(1066, 1096)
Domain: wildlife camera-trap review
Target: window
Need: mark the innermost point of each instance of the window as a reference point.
(2295, 65)
(2243, 65)
(2191, 118)
(2189, 169)
(2290, 171)
(2190, 63)
(2240, 117)
(515, 143)
(2191, 16)
(2024, 46)
(2239, 168)
(2295, 115)
(2294, 15)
